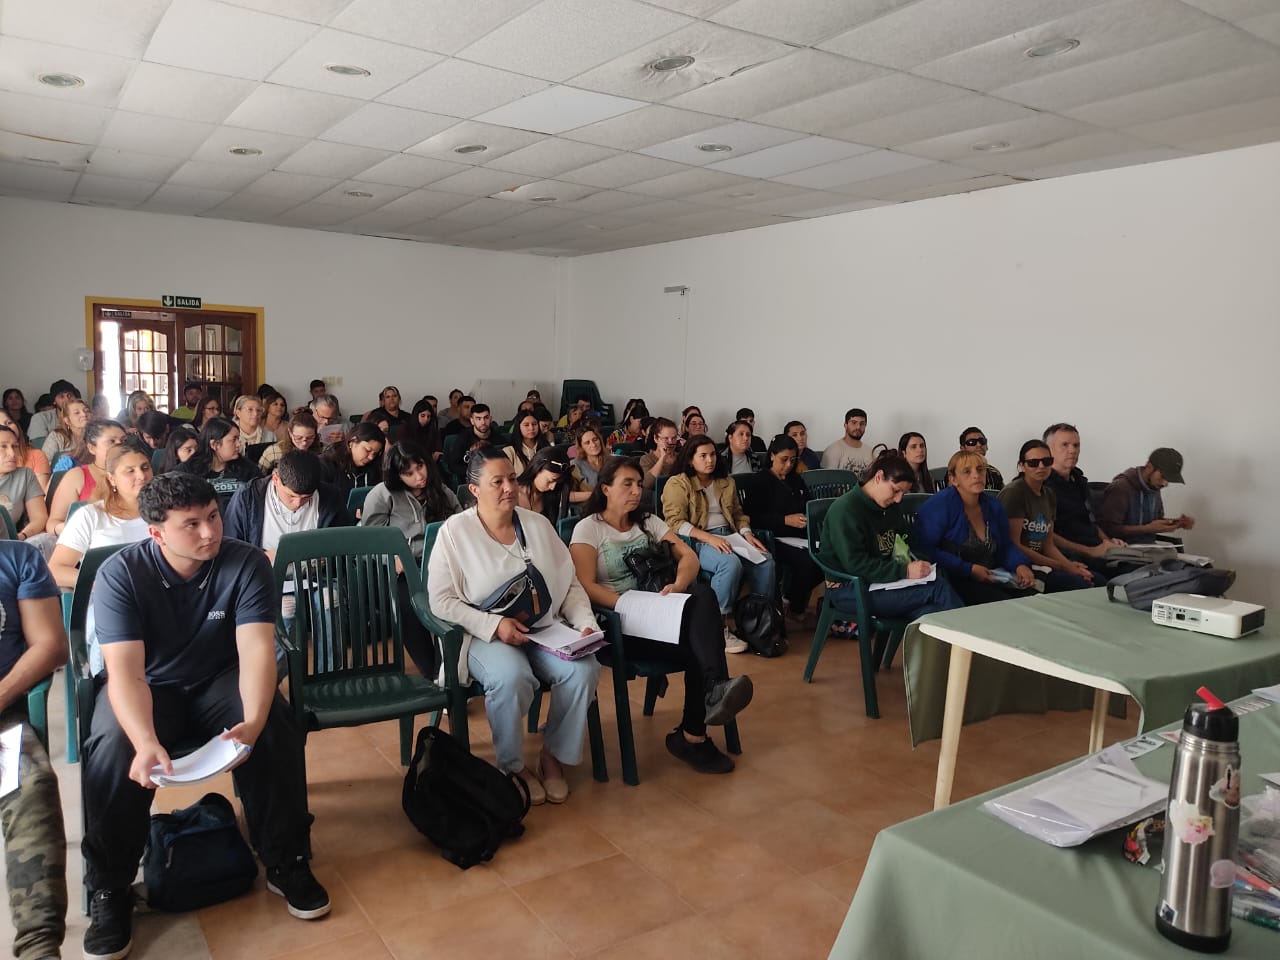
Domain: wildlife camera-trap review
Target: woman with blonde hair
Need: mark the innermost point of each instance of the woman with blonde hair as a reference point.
(300, 436)
(139, 402)
(247, 415)
(68, 435)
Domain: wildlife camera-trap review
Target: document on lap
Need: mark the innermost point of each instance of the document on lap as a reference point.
(907, 581)
(651, 615)
(566, 642)
(215, 757)
(744, 549)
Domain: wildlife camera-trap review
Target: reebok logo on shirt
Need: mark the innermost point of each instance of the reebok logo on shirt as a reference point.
(217, 615)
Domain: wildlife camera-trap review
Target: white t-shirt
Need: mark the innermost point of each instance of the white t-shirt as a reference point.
(612, 547)
(16, 488)
(277, 519)
(841, 456)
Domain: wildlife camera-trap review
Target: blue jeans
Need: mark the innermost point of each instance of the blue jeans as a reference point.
(728, 569)
(905, 604)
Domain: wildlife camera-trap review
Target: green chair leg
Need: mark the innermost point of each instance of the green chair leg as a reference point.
(626, 733)
(73, 729)
(599, 766)
(458, 728)
(535, 711)
(406, 741)
(894, 641)
(654, 688)
(826, 617)
(865, 641)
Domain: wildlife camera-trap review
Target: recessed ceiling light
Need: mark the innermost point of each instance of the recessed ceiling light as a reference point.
(714, 147)
(667, 64)
(471, 148)
(542, 199)
(988, 146)
(346, 70)
(245, 152)
(360, 194)
(60, 80)
(1053, 48)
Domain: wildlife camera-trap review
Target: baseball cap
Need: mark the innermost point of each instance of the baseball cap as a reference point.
(1169, 462)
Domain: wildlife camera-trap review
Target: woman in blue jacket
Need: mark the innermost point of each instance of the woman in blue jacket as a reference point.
(965, 531)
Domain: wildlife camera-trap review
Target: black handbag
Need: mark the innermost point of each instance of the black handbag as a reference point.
(525, 597)
(653, 566)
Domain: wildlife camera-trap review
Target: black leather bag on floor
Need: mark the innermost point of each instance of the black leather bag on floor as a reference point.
(196, 857)
(759, 623)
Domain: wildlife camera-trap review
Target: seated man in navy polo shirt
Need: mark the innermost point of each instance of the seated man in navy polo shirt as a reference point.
(32, 645)
(185, 620)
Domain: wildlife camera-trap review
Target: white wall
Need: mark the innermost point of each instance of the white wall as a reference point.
(1140, 303)
(423, 317)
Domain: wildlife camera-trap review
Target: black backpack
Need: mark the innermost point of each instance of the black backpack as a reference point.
(1167, 576)
(462, 804)
(760, 624)
(196, 857)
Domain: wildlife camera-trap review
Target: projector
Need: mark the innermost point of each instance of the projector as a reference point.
(1214, 615)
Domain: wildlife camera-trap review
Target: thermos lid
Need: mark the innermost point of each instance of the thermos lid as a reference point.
(1212, 720)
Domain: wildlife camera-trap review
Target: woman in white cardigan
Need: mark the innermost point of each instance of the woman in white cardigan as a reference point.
(478, 551)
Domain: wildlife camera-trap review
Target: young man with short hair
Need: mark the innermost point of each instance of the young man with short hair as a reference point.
(462, 423)
(292, 500)
(191, 394)
(318, 388)
(186, 622)
(973, 440)
(1132, 506)
(32, 645)
(1076, 530)
(480, 433)
(849, 452)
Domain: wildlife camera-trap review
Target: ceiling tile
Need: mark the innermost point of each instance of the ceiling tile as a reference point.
(545, 217)
(550, 157)
(22, 61)
(802, 21)
(932, 29)
(1110, 30)
(608, 201)
(742, 137)
(622, 170)
(49, 153)
(796, 204)
(1183, 58)
(320, 159)
(1267, 27)
(496, 141)
(847, 207)
(385, 127)
(1033, 131)
(1233, 10)
(1250, 136)
(184, 94)
(480, 212)
(882, 97)
(802, 75)
(718, 52)
(214, 176)
(291, 186)
(122, 28)
(340, 196)
(275, 147)
(644, 127)
(841, 173)
(557, 109)
(480, 182)
(916, 178)
(55, 119)
(1097, 143)
(790, 157)
(253, 206)
(559, 39)
(313, 11)
(967, 113)
(445, 26)
(314, 215)
(300, 113)
(171, 198)
(140, 133)
(688, 182)
(389, 65)
(1221, 122)
(216, 38)
(746, 196)
(28, 178)
(416, 206)
(138, 166)
(971, 185)
(456, 88)
(403, 170)
(1176, 99)
(1110, 162)
(563, 191)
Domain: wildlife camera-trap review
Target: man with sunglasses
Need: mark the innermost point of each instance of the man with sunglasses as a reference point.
(1076, 532)
(972, 439)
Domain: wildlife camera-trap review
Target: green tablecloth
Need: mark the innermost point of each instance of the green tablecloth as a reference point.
(958, 883)
(1160, 666)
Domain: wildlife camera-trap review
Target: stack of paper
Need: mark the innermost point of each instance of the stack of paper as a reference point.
(651, 615)
(213, 758)
(1269, 693)
(908, 581)
(566, 642)
(1104, 792)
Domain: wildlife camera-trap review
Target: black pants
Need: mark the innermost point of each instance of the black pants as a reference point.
(973, 592)
(417, 641)
(805, 574)
(271, 781)
(700, 652)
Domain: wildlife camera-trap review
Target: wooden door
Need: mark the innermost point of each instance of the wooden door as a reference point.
(217, 351)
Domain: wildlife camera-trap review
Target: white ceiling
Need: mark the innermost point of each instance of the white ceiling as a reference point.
(826, 105)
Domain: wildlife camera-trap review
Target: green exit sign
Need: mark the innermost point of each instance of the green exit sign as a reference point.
(180, 303)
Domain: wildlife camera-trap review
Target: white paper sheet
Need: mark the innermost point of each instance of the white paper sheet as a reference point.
(210, 760)
(1272, 778)
(562, 638)
(651, 615)
(1269, 693)
(800, 543)
(907, 581)
(10, 759)
(743, 548)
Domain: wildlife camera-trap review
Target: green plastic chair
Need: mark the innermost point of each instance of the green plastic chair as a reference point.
(7, 526)
(658, 485)
(463, 492)
(54, 480)
(450, 444)
(157, 459)
(828, 484)
(939, 475)
(355, 502)
(75, 610)
(870, 649)
(449, 636)
(571, 388)
(346, 651)
(633, 449)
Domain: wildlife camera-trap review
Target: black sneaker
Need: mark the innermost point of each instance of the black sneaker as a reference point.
(110, 933)
(307, 900)
(703, 757)
(726, 698)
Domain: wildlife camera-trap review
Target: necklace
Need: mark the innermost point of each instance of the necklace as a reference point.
(505, 546)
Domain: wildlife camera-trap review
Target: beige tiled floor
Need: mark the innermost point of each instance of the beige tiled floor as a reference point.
(760, 863)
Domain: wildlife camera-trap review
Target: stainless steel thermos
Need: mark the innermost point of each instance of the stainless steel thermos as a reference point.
(1201, 829)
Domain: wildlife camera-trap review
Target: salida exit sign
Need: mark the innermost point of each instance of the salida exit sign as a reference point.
(180, 303)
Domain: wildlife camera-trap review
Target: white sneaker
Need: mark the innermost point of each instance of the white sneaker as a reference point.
(733, 643)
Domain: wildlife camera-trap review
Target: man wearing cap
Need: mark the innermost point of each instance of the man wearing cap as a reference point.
(1132, 507)
(45, 422)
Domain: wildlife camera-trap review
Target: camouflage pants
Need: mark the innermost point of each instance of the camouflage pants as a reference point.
(35, 851)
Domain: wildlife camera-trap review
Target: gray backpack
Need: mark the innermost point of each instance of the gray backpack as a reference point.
(1167, 576)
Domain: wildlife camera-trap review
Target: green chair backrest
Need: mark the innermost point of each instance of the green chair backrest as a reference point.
(816, 515)
(742, 483)
(571, 388)
(634, 449)
(658, 486)
(71, 510)
(347, 603)
(465, 499)
(825, 484)
(355, 501)
(92, 560)
(564, 527)
(157, 459)
(37, 443)
(54, 480)
(939, 475)
(7, 526)
(910, 504)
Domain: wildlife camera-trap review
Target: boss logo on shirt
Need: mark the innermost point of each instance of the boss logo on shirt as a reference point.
(217, 615)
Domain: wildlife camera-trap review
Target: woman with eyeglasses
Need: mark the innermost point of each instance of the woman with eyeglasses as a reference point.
(209, 409)
(807, 459)
(356, 461)
(498, 570)
(974, 440)
(663, 448)
(89, 481)
(543, 486)
(693, 425)
(301, 436)
(912, 447)
(1032, 510)
(965, 531)
(247, 414)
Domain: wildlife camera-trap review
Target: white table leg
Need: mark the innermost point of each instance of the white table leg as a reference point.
(952, 720)
(1098, 723)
